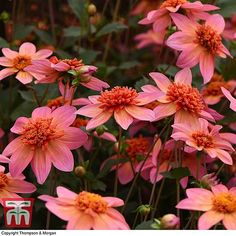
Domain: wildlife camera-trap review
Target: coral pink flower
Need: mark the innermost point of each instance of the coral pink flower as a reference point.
(203, 137)
(55, 69)
(135, 149)
(230, 29)
(16, 62)
(161, 18)
(219, 204)
(199, 43)
(230, 98)
(44, 139)
(212, 93)
(10, 186)
(85, 211)
(125, 103)
(149, 38)
(178, 98)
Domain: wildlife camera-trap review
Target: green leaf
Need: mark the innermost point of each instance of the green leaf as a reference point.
(88, 55)
(26, 95)
(98, 185)
(129, 64)
(44, 36)
(169, 70)
(177, 173)
(63, 54)
(111, 27)
(73, 31)
(22, 31)
(3, 43)
(146, 225)
(79, 7)
(141, 83)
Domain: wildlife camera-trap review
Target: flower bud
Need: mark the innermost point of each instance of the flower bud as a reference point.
(80, 171)
(209, 180)
(92, 9)
(144, 210)
(170, 221)
(100, 130)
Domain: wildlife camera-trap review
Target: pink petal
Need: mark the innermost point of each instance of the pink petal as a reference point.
(60, 156)
(145, 98)
(123, 119)
(184, 76)
(41, 166)
(189, 57)
(65, 193)
(42, 54)
(114, 201)
(230, 98)
(4, 61)
(4, 159)
(106, 136)
(179, 41)
(7, 52)
(41, 112)
(101, 222)
(207, 66)
(20, 160)
(99, 120)
(125, 173)
(200, 194)
(20, 186)
(90, 110)
(64, 116)
(114, 214)
(19, 124)
(220, 188)
(24, 77)
(80, 222)
(7, 72)
(161, 23)
(140, 113)
(164, 110)
(27, 49)
(150, 88)
(96, 84)
(224, 156)
(183, 23)
(161, 80)
(208, 219)
(61, 66)
(74, 138)
(229, 221)
(217, 22)
(190, 204)
(12, 146)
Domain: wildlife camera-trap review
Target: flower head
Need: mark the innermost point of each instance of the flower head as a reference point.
(161, 18)
(178, 97)
(16, 62)
(203, 137)
(125, 103)
(44, 139)
(10, 186)
(199, 43)
(219, 204)
(86, 210)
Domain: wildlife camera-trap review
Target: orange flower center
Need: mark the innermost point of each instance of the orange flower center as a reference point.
(225, 203)
(203, 140)
(136, 146)
(208, 38)
(152, 105)
(172, 3)
(73, 63)
(39, 132)
(185, 97)
(57, 102)
(95, 202)
(118, 98)
(79, 122)
(3, 180)
(21, 62)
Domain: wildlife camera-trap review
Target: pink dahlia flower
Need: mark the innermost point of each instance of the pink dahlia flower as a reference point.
(161, 18)
(10, 186)
(219, 204)
(44, 139)
(54, 69)
(16, 62)
(178, 97)
(85, 211)
(230, 98)
(203, 137)
(125, 103)
(199, 43)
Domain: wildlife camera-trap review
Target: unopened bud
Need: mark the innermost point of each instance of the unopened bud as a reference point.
(92, 9)
(170, 221)
(209, 180)
(101, 129)
(80, 171)
(144, 210)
